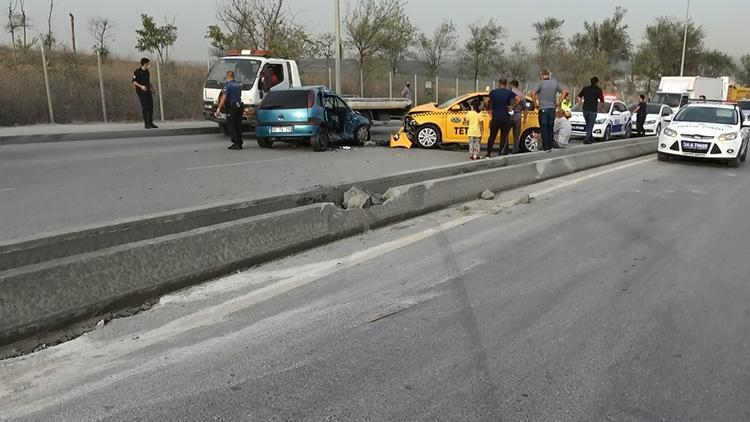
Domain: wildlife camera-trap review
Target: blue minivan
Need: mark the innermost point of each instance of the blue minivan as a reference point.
(309, 114)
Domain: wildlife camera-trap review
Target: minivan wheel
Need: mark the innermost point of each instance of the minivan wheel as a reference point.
(320, 141)
(362, 135)
(264, 142)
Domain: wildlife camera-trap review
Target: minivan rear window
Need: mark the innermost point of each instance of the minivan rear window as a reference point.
(296, 98)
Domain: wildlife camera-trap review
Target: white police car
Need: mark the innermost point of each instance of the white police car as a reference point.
(655, 117)
(708, 130)
(613, 119)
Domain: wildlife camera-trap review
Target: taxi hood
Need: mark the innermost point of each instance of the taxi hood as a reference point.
(424, 108)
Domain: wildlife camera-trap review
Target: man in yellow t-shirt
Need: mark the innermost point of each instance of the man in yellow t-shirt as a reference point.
(475, 129)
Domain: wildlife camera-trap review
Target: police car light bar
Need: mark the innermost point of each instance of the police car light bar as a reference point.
(238, 52)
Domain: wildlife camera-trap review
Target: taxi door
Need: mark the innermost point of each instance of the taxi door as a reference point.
(457, 124)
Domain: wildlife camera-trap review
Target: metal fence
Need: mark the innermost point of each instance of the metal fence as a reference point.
(59, 86)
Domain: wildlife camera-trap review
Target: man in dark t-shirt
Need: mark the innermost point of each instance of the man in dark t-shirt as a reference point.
(145, 91)
(641, 112)
(589, 99)
(502, 100)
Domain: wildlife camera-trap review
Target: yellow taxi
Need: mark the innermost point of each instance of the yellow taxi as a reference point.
(431, 125)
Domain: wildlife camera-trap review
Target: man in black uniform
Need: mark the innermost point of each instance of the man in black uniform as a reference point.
(641, 112)
(232, 98)
(145, 91)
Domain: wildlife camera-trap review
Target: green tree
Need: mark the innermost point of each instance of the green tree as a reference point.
(484, 48)
(518, 63)
(100, 27)
(154, 38)
(369, 26)
(646, 66)
(399, 41)
(602, 46)
(218, 40)
(715, 63)
(665, 36)
(743, 70)
(431, 51)
(324, 47)
(548, 40)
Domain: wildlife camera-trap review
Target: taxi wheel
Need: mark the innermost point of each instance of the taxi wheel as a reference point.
(530, 143)
(428, 136)
(361, 135)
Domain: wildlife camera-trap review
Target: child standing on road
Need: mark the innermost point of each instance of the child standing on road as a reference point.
(475, 129)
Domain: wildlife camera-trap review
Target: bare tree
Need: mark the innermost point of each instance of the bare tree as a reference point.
(13, 24)
(25, 23)
(369, 27)
(49, 39)
(432, 50)
(99, 28)
(259, 24)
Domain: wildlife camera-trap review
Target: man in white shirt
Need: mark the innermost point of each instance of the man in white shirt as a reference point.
(562, 129)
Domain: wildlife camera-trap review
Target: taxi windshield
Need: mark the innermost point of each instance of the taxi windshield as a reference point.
(720, 115)
(451, 101)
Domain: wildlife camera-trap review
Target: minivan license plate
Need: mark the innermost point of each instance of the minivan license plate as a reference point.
(281, 129)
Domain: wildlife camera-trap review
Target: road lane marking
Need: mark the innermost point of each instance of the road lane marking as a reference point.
(7, 189)
(244, 163)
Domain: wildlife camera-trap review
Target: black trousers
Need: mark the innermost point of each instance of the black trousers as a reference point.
(640, 131)
(147, 104)
(502, 125)
(234, 124)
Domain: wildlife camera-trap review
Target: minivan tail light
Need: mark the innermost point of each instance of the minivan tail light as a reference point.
(310, 99)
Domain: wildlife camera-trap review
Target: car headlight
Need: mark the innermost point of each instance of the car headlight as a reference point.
(650, 122)
(728, 136)
(600, 121)
(669, 132)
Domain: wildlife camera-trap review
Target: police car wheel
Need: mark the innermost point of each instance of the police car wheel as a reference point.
(734, 162)
(662, 156)
(428, 136)
(628, 131)
(264, 142)
(607, 133)
(658, 129)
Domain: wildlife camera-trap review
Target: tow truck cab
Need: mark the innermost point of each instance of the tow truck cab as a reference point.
(259, 74)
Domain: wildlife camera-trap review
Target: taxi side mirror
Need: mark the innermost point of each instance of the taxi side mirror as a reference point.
(455, 108)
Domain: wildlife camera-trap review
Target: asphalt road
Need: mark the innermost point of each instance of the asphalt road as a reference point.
(62, 185)
(619, 293)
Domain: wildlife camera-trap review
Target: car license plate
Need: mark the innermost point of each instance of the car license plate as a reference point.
(581, 128)
(699, 147)
(281, 129)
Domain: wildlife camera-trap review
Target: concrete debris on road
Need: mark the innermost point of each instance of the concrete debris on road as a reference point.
(488, 195)
(357, 198)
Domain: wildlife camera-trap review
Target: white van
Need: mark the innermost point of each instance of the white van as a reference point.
(258, 72)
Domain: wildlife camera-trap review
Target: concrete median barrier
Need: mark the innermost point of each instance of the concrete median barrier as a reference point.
(41, 297)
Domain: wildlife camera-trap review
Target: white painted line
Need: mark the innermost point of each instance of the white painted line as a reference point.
(7, 189)
(244, 163)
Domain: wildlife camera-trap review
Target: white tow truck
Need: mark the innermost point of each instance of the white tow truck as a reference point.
(260, 73)
(676, 91)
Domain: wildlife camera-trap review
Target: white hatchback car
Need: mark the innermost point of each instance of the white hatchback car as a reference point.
(613, 119)
(707, 130)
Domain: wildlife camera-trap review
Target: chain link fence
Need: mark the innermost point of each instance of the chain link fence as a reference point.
(59, 86)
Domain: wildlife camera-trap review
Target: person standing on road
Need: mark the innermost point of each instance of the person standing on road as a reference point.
(641, 113)
(145, 91)
(517, 116)
(589, 99)
(545, 97)
(407, 92)
(501, 102)
(474, 116)
(232, 99)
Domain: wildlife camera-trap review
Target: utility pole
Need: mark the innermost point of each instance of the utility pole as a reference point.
(684, 39)
(338, 46)
(73, 31)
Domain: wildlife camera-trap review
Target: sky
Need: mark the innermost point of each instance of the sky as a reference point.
(724, 21)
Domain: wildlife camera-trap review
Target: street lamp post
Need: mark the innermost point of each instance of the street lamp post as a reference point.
(684, 39)
(338, 46)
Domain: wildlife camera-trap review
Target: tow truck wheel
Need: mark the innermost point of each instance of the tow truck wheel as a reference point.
(361, 135)
(224, 129)
(319, 142)
(428, 136)
(529, 141)
(264, 142)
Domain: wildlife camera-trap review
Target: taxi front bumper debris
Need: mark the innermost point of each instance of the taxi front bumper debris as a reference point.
(400, 139)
